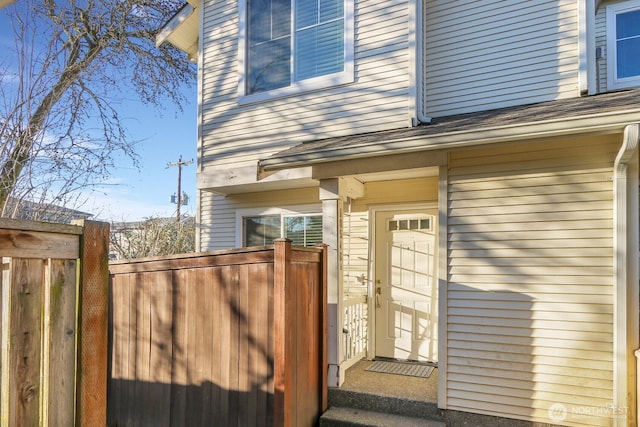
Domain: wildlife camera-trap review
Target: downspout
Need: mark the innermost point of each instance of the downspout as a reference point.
(420, 69)
(625, 337)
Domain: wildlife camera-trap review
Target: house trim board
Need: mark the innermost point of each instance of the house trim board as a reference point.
(236, 179)
(586, 45)
(373, 211)
(412, 55)
(199, 122)
(332, 212)
(443, 215)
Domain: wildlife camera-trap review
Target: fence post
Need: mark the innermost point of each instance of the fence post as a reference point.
(282, 339)
(324, 321)
(93, 309)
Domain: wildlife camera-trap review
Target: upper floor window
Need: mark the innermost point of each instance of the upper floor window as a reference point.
(292, 45)
(623, 44)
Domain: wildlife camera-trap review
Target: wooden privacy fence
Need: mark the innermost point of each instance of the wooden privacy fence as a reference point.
(219, 339)
(53, 335)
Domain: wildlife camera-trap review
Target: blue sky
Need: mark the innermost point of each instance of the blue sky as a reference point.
(162, 136)
(165, 135)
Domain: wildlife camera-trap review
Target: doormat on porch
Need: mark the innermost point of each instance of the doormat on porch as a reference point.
(401, 368)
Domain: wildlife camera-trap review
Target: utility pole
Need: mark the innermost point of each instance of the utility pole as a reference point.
(180, 199)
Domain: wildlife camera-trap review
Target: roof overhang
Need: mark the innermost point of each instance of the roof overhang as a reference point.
(428, 138)
(182, 30)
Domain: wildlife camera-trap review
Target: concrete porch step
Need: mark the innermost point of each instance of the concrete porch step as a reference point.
(392, 405)
(355, 408)
(350, 417)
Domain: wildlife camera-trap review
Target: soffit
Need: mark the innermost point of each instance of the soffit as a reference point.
(182, 30)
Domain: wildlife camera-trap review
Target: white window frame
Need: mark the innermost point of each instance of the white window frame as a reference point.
(612, 11)
(321, 82)
(302, 210)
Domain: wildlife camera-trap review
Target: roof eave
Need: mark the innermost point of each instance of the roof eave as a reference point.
(178, 33)
(610, 122)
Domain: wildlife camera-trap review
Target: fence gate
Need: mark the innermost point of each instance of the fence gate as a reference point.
(53, 334)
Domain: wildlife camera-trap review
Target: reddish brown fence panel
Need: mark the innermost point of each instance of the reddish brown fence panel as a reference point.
(193, 339)
(39, 291)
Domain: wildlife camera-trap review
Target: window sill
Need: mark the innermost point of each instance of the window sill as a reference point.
(317, 83)
(628, 83)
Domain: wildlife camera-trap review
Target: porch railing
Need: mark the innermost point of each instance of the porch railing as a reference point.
(354, 330)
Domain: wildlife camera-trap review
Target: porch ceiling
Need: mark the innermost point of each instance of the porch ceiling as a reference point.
(397, 175)
(606, 113)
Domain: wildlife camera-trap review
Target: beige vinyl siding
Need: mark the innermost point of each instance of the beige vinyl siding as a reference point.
(495, 54)
(205, 223)
(218, 223)
(234, 134)
(530, 268)
(601, 42)
(221, 212)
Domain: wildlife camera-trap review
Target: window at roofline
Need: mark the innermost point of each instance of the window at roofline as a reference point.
(623, 45)
(288, 46)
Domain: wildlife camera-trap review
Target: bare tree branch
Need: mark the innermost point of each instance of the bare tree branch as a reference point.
(71, 63)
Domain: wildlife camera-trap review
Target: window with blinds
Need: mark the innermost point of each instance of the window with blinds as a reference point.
(290, 41)
(319, 38)
(302, 230)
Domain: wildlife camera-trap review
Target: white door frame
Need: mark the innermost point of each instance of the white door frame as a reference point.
(371, 309)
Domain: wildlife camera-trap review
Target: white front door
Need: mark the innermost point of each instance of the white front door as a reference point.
(405, 286)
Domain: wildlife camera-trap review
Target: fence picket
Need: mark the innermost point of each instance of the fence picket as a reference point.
(24, 353)
(60, 348)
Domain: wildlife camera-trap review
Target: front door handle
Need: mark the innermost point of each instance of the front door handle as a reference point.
(378, 292)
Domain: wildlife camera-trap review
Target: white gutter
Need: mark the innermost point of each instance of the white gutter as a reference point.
(603, 123)
(626, 294)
